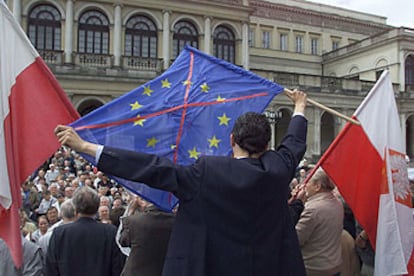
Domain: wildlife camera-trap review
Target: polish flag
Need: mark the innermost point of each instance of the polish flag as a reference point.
(367, 163)
(32, 104)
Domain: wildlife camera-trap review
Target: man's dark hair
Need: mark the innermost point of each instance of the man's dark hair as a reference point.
(86, 201)
(252, 132)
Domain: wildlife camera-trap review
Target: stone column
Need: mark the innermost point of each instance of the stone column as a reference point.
(403, 118)
(317, 131)
(271, 117)
(207, 34)
(273, 137)
(401, 77)
(69, 31)
(17, 10)
(166, 39)
(117, 34)
(245, 45)
(275, 39)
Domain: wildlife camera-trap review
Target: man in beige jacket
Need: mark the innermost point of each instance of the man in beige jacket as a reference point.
(320, 226)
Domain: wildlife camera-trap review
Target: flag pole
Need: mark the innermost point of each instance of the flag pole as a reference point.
(327, 109)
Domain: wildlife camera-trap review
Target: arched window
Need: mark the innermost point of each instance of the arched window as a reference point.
(88, 106)
(93, 33)
(409, 72)
(224, 44)
(141, 37)
(184, 33)
(44, 27)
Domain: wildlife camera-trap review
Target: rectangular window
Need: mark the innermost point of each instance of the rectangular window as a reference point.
(251, 38)
(105, 43)
(335, 44)
(57, 39)
(314, 46)
(283, 42)
(145, 47)
(153, 45)
(81, 42)
(97, 49)
(299, 44)
(49, 38)
(41, 38)
(266, 40)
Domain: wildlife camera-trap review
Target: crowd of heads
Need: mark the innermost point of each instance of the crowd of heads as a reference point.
(68, 178)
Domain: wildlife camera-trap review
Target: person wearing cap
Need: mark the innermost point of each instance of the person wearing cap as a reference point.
(51, 174)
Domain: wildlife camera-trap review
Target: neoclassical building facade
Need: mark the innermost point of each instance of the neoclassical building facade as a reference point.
(99, 50)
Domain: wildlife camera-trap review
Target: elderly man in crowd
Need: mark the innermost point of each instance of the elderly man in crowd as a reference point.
(67, 211)
(84, 247)
(320, 226)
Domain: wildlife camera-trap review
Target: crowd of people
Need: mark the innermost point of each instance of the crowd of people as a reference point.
(77, 221)
(48, 197)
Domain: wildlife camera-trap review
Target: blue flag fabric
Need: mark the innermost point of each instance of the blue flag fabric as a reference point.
(186, 112)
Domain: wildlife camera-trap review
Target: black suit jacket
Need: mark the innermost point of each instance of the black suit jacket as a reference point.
(233, 217)
(147, 233)
(84, 247)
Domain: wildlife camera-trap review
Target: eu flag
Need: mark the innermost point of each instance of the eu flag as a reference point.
(186, 112)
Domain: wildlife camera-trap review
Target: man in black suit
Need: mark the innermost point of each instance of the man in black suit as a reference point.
(84, 247)
(233, 217)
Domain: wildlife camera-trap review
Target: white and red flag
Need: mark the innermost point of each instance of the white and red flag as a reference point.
(367, 163)
(32, 103)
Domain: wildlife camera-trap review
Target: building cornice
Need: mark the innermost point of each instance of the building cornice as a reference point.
(318, 19)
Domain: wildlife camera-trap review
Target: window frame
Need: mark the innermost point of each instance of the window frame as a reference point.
(284, 42)
(224, 48)
(100, 33)
(180, 38)
(266, 39)
(49, 28)
(140, 36)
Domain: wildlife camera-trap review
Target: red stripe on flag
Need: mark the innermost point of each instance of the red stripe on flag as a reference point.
(36, 105)
(187, 91)
(357, 169)
(169, 110)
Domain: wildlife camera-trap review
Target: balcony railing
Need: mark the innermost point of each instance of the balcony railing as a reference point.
(142, 64)
(51, 57)
(93, 60)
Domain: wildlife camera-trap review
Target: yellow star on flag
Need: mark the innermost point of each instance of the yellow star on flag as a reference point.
(147, 91)
(186, 82)
(140, 121)
(194, 153)
(151, 142)
(135, 106)
(224, 120)
(214, 142)
(204, 87)
(220, 99)
(166, 83)
(173, 146)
